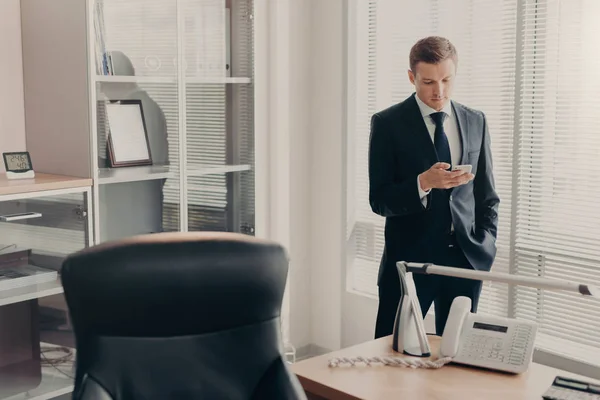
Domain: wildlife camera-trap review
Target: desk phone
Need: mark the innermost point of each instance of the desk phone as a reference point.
(486, 341)
(503, 344)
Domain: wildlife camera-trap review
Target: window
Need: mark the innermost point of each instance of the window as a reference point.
(531, 66)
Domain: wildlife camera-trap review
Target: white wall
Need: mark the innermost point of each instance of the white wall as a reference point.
(12, 113)
(300, 125)
(305, 97)
(326, 178)
(323, 314)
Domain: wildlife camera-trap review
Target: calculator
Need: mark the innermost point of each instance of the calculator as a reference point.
(571, 389)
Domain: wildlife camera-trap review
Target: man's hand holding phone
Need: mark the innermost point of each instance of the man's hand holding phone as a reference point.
(438, 176)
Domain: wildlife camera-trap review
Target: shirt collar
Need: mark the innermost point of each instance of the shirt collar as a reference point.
(426, 110)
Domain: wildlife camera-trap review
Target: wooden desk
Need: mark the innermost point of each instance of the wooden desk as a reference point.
(451, 382)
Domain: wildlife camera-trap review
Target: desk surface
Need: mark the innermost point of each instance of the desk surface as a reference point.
(451, 382)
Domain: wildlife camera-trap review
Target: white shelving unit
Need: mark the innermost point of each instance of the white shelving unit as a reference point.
(133, 174)
(205, 170)
(152, 172)
(62, 202)
(218, 80)
(134, 79)
(195, 80)
(191, 63)
(209, 80)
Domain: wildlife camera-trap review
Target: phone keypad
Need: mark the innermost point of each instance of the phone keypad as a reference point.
(482, 347)
(489, 348)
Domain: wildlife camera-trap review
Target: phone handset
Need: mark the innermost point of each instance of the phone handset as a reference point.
(460, 308)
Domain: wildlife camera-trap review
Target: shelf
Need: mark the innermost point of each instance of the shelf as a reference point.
(217, 80)
(151, 172)
(166, 79)
(133, 174)
(41, 182)
(54, 383)
(215, 169)
(29, 292)
(134, 79)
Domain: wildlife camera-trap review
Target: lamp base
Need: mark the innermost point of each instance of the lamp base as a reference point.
(409, 335)
(416, 352)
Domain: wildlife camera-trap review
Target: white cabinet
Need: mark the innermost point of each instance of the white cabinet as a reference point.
(190, 62)
(191, 65)
(42, 220)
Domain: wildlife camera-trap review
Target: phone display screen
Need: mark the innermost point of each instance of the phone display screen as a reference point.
(490, 327)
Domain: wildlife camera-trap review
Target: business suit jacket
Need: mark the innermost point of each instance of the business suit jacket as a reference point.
(400, 149)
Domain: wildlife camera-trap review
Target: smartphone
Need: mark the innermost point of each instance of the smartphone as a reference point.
(465, 168)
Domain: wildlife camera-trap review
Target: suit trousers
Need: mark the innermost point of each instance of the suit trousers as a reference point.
(437, 289)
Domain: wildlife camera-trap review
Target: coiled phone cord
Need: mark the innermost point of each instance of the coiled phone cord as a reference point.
(391, 361)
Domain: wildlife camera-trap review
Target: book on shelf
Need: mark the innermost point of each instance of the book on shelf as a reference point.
(103, 57)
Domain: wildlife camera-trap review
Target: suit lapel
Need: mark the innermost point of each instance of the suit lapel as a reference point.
(461, 118)
(423, 139)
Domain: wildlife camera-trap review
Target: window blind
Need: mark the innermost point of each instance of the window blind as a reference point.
(558, 224)
(484, 33)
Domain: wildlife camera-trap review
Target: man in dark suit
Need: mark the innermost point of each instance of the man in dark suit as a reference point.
(433, 214)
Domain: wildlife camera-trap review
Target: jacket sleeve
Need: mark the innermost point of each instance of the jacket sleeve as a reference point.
(486, 198)
(387, 197)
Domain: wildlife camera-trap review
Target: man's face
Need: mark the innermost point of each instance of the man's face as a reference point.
(434, 82)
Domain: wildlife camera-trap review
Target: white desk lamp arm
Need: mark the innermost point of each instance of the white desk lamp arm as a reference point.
(529, 281)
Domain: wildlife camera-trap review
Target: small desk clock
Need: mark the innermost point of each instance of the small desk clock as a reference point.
(18, 165)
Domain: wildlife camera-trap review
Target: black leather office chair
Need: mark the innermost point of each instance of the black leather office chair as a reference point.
(179, 316)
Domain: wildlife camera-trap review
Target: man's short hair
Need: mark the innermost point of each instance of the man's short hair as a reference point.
(432, 50)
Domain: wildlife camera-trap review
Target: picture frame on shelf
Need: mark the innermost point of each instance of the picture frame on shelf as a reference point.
(127, 142)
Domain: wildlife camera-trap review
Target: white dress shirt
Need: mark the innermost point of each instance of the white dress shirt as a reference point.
(451, 129)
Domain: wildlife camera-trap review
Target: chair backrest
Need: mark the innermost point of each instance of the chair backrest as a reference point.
(179, 316)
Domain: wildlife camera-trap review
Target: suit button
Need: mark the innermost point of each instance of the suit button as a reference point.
(450, 197)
